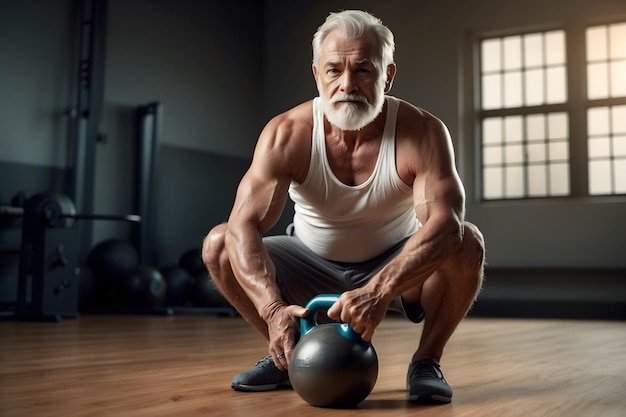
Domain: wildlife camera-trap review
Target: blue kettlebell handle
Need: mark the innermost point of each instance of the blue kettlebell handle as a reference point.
(324, 301)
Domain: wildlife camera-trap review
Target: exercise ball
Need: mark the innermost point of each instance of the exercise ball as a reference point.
(191, 261)
(145, 288)
(113, 260)
(178, 283)
(331, 365)
(204, 293)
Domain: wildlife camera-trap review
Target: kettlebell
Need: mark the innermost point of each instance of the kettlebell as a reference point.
(331, 365)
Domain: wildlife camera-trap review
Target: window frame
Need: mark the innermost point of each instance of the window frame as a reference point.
(575, 106)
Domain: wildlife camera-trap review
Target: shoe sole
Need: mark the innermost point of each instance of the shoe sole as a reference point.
(260, 388)
(429, 399)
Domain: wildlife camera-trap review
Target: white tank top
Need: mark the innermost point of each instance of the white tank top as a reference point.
(353, 223)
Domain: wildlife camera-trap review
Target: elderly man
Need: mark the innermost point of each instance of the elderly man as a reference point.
(379, 214)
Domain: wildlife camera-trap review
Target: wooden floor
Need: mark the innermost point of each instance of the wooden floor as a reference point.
(181, 365)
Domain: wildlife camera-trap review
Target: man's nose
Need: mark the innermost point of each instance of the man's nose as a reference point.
(348, 82)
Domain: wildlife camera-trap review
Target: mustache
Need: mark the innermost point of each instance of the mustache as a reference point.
(349, 97)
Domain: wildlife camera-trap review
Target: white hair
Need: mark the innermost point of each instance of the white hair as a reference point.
(353, 24)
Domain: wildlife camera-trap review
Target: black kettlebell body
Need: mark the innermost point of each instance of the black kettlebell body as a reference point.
(331, 366)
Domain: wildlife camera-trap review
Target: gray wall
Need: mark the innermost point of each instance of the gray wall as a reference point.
(221, 69)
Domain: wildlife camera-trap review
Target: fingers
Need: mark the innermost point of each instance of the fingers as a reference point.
(367, 334)
(343, 311)
(282, 330)
(335, 311)
(280, 360)
(301, 312)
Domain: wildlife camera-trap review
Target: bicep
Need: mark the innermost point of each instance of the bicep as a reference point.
(437, 189)
(263, 190)
(260, 200)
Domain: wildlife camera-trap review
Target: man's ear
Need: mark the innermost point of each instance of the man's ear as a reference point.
(391, 74)
(314, 69)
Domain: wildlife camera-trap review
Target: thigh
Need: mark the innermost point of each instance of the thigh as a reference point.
(300, 273)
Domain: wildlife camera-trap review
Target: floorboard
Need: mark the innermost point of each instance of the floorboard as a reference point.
(181, 365)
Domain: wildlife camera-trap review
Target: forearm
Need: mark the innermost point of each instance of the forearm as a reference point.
(253, 269)
(420, 257)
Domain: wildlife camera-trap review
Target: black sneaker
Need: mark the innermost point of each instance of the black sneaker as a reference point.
(265, 376)
(426, 383)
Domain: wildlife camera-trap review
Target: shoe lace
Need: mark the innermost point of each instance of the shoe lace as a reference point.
(267, 359)
(425, 369)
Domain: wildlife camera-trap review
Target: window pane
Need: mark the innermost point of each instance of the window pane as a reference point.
(492, 183)
(514, 129)
(617, 36)
(492, 130)
(559, 179)
(598, 121)
(618, 78)
(596, 44)
(535, 127)
(619, 146)
(599, 147)
(557, 126)
(618, 119)
(512, 52)
(490, 53)
(555, 47)
(492, 91)
(514, 182)
(536, 152)
(599, 177)
(537, 181)
(492, 155)
(556, 91)
(513, 89)
(620, 176)
(559, 151)
(597, 81)
(514, 154)
(534, 87)
(533, 50)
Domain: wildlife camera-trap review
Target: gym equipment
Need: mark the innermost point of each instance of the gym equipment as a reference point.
(46, 257)
(113, 260)
(178, 282)
(145, 288)
(49, 272)
(331, 365)
(191, 260)
(205, 294)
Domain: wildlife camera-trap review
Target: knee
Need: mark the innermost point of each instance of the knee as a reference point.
(474, 240)
(473, 250)
(214, 250)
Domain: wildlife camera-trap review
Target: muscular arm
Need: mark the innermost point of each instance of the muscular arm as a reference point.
(278, 158)
(428, 162)
(259, 202)
(439, 200)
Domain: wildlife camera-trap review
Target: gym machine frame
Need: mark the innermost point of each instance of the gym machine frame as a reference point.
(49, 256)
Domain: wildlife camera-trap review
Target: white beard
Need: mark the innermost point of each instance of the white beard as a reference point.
(352, 111)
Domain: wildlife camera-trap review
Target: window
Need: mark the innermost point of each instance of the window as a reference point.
(525, 114)
(524, 128)
(606, 119)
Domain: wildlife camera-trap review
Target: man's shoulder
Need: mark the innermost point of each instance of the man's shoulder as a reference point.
(411, 112)
(301, 113)
(289, 131)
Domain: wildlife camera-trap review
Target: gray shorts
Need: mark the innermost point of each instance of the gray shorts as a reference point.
(301, 274)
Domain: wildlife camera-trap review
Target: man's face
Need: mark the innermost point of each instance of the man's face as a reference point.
(349, 80)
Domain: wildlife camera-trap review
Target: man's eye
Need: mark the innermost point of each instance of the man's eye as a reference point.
(333, 71)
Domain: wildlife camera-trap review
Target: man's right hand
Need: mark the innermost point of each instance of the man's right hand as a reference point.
(283, 324)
